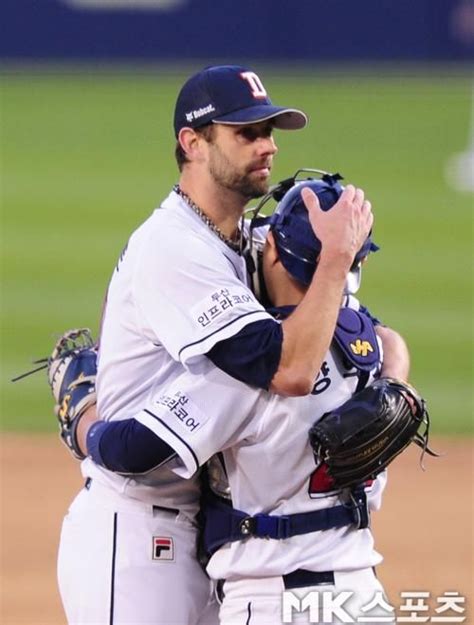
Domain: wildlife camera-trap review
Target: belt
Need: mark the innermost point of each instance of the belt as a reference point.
(297, 579)
(156, 508)
(301, 578)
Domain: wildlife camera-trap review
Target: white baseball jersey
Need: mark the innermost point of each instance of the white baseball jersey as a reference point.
(270, 465)
(176, 291)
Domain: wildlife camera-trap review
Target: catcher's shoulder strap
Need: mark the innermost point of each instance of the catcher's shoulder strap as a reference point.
(356, 338)
(224, 524)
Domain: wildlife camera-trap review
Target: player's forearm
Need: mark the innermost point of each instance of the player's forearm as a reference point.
(308, 331)
(126, 447)
(396, 357)
(123, 447)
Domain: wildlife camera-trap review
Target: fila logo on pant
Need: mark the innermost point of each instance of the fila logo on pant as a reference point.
(163, 548)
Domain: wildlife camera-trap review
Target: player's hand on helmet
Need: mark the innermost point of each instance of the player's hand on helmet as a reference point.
(342, 230)
(72, 369)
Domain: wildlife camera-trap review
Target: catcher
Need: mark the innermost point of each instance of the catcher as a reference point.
(294, 490)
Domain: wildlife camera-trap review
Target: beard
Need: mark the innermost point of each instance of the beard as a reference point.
(225, 174)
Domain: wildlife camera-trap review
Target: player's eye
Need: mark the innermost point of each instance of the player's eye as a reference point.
(254, 132)
(249, 133)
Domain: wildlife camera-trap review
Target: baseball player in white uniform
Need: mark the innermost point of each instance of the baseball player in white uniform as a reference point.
(273, 481)
(178, 296)
(139, 521)
(267, 461)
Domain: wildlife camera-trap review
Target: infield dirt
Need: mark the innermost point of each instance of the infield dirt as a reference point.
(424, 530)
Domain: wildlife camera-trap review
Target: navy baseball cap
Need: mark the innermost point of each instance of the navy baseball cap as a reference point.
(230, 94)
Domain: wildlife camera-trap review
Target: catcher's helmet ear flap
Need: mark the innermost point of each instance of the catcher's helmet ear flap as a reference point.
(298, 247)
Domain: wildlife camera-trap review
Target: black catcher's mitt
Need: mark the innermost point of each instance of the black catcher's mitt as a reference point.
(72, 370)
(361, 437)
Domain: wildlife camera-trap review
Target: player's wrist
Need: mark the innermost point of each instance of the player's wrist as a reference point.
(336, 264)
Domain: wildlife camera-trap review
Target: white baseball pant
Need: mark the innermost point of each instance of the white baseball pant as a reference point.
(122, 561)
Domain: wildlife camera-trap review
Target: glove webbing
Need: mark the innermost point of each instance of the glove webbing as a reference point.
(74, 339)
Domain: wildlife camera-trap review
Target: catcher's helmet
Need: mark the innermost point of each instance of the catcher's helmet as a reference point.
(297, 245)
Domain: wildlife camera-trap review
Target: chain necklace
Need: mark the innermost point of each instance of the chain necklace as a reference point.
(233, 244)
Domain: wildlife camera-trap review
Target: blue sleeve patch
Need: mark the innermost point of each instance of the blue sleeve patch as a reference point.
(252, 355)
(126, 446)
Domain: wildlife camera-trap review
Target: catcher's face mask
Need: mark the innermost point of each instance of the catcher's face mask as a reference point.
(297, 245)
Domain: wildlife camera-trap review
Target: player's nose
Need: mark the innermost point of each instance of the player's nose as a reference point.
(267, 145)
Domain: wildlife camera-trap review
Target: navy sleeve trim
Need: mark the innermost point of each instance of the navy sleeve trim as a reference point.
(205, 338)
(127, 447)
(252, 355)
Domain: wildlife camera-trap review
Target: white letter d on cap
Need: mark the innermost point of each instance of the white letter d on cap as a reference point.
(256, 86)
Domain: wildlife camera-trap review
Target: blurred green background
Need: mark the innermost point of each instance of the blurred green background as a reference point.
(86, 156)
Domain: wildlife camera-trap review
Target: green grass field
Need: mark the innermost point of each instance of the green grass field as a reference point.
(86, 157)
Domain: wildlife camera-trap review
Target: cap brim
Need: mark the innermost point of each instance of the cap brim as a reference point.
(285, 118)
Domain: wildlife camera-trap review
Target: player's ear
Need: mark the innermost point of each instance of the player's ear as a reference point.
(271, 251)
(191, 144)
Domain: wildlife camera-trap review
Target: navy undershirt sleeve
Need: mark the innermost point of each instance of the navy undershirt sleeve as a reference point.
(126, 446)
(252, 355)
